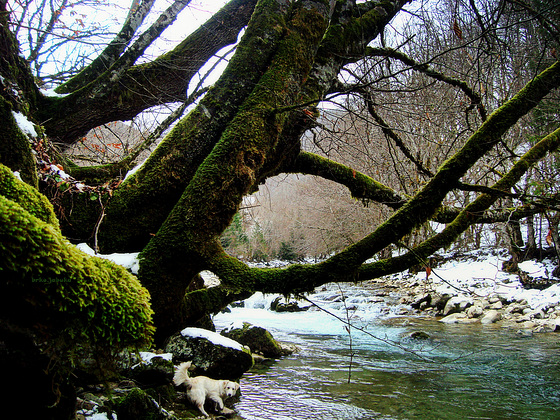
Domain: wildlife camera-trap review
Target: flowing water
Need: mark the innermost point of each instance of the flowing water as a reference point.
(374, 370)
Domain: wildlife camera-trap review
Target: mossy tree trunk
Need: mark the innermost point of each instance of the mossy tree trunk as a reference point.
(247, 128)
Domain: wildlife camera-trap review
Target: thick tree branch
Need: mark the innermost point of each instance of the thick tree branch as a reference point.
(136, 15)
(143, 86)
(471, 214)
(360, 185)
(345, 265)
(217, 189)
(141, 204)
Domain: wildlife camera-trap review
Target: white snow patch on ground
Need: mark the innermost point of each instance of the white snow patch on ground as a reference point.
(482, 276)
(60, 172)
(213, 337)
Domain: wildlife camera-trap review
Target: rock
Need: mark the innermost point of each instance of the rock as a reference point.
(439, 301)
(553, 324)
(422, 301)
(291, 306)
(137, 405)
(454, 318)
(515, 308)
(212, 354)
(157, 371)
(257, 339)
(419, 335)
(491, 317)
(456, 304)
(475, 311)
(497, 305)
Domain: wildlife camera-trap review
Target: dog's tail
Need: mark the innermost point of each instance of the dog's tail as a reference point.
(182, 374)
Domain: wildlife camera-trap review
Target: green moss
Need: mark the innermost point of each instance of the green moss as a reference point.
(34, 202)
(137, 405)
(77, 299)
(15, 149)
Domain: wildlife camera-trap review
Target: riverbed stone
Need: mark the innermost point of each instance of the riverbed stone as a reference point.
(491, 317)
(258, 339)
(475, 311)
(210, 358)
(457, 304)
(458, 318)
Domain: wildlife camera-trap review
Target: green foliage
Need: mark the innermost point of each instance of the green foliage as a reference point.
(287, 252)
(235, 234)
(78, 300)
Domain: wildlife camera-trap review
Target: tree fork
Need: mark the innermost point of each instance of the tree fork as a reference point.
(190, 233)
(142, 203)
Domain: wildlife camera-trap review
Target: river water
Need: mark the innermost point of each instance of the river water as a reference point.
(375, 370)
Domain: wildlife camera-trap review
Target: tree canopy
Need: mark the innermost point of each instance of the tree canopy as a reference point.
(426, 112)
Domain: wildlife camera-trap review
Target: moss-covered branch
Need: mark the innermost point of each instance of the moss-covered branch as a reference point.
(216, 191)
(143, 202)
(346, 265)
(49, 285)
(360, 185)
(469, 215)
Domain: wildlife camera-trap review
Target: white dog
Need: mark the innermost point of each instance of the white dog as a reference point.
(201, 388)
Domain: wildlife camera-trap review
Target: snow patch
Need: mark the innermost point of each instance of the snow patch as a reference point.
(213, 337)
(59, 172)
(147, 356)
(24, 124)
(127, 260)
(482, 275)
(52, 94)
(133, 170)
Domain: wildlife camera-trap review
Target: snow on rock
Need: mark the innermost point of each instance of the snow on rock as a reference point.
(147, 356)
(213, 337)
(127, 260)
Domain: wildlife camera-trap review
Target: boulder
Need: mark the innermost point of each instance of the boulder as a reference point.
(439, 301)
(419, 335)
(257, 339)
(153, 370)
(137, 405)
(212, 354)
(422, 301)
(475, 311)
(491, 317)
(454, 318)
(456, 304)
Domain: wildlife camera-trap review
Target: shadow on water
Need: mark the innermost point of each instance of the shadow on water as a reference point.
(460, 372)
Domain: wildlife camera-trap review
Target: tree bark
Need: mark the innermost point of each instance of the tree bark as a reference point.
(163, 80)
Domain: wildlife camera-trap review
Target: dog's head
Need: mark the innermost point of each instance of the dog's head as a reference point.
(230, 388)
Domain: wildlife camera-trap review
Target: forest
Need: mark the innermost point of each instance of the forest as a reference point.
(353, 138)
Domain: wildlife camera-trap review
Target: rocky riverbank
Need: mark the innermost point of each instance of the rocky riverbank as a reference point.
(474, 290)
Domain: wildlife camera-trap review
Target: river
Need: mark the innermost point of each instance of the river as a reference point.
(375, 370)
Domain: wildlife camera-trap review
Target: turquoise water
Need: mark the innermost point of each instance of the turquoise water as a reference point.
(460, 372)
